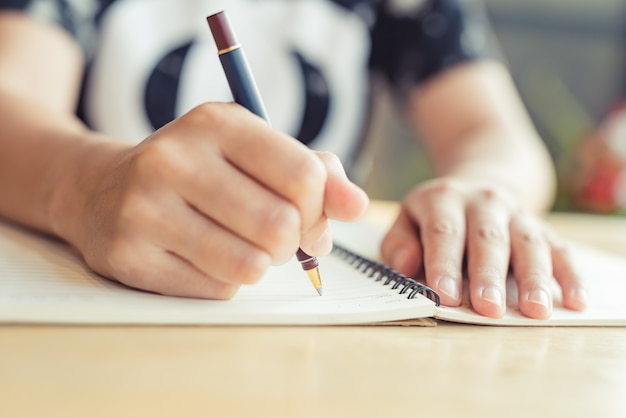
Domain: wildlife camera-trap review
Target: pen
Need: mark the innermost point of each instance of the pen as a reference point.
(245, 93)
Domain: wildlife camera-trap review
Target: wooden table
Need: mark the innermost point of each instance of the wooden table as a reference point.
(355, 371)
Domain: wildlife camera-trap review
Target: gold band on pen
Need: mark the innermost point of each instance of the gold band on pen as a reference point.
(232, 48)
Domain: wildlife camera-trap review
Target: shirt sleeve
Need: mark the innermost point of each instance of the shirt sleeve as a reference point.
(412, 43)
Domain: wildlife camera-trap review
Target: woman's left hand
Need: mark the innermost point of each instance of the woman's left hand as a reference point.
(446, 222)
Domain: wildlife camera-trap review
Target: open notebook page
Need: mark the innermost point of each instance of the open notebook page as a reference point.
(606, 277)
(604, 273)
(43, 281)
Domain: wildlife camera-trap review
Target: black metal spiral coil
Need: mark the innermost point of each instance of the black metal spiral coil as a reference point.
(379, 272)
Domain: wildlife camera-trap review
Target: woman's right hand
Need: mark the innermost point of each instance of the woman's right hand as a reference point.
(203, 205)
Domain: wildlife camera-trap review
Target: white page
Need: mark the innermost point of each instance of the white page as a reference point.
(43, 281)
(606, 277)
(604, 273)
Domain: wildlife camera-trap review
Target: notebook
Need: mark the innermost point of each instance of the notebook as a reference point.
(44, 281)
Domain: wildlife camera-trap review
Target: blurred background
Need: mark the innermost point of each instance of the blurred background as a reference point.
(568, 59)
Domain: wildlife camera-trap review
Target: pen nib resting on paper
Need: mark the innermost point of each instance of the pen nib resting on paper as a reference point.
(310, 266)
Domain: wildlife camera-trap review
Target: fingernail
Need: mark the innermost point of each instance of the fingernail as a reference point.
(449, 287)
(539, 296)
(492, 295)
(580, 295)
(324, 243)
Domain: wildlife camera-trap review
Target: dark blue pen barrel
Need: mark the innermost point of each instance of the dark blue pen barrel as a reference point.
(242, 83)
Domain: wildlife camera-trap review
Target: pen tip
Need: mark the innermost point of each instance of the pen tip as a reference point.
(316, 280)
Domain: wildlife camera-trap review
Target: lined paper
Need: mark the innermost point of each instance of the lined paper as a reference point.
(42, 280)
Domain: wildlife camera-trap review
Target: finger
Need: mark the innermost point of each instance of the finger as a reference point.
(210, 248)
(488, 253)
(532, 267)
(439, 211)
(318, 240)
(244, 207)
(401, 248)
(343, 200)
(575, 293)
(278, 161)
(167, 274)
(165, 221)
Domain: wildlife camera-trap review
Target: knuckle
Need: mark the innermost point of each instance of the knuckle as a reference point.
(487, 273)
(491, 233)
(489, 193)
(158, 158)
(443, 228)
(534, 278)
(206, 113)
(494, 195)
(531, 237)
(309, 174)
(447, 266)
(280, 224)
(119, 259)
(220, 117)
(249, 266)
(329, 157)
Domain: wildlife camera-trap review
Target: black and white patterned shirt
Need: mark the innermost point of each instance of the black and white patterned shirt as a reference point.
(149, 61)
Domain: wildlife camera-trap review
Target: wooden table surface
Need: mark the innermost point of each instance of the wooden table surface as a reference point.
(349, 371)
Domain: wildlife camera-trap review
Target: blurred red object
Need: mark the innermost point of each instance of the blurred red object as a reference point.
(598, 181)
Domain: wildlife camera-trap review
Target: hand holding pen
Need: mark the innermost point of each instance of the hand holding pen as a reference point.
(203, 205)
(245, 93)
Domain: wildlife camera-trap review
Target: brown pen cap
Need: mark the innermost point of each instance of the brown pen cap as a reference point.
(222, 31)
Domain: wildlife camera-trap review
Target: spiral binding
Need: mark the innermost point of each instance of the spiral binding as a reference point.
(380, 271)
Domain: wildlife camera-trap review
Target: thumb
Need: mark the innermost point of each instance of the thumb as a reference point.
(343, 200)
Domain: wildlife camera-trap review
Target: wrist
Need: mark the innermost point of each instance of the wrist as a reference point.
(533, 190)
(77, 179)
